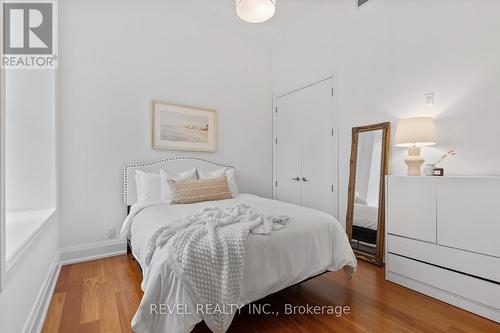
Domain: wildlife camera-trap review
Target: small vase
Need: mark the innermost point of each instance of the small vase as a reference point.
(429, 169)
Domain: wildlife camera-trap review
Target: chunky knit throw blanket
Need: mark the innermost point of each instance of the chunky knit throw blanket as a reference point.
(210, 254)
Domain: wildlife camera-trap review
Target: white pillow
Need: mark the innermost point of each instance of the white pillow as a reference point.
(166, 193)
(230, 175)
(359, 199)
(148, 186)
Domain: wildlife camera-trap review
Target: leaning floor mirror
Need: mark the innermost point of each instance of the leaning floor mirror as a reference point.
(365, 221)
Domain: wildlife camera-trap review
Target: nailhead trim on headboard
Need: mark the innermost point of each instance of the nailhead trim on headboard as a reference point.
(164, 160)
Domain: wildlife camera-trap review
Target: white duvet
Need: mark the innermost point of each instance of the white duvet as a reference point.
(311, 243)
(365, 216)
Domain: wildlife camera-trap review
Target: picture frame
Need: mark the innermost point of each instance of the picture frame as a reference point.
(182, 127)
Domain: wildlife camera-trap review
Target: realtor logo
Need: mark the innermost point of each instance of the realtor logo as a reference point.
(29, 34)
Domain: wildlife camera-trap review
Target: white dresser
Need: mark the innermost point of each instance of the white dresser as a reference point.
(443, 239)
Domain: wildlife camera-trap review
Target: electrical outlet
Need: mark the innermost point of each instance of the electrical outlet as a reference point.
(112, 233)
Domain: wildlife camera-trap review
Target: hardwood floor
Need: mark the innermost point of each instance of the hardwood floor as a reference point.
(103, 295)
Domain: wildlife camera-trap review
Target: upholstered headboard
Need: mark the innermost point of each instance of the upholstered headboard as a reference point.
(170, 164)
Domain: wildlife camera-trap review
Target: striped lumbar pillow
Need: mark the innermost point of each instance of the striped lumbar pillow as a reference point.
(191, 191)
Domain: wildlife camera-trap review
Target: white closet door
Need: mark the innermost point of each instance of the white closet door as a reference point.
(318, 147)
(288, 149)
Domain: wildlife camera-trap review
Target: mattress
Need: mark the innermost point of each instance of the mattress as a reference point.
(311, 243)
(365, 216)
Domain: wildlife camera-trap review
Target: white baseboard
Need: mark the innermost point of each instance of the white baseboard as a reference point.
(69, 255)
(93, 251)
(445, 296)
(39, 311)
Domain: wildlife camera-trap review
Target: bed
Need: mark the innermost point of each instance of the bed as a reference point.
(311, 243)
(365, 223)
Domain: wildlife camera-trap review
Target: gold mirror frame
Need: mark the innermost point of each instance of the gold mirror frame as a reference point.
(378, 258)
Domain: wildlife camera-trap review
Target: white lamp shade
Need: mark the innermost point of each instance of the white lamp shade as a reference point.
(255, 11)
(416, 132)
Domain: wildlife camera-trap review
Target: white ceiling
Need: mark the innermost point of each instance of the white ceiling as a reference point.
(288, 12)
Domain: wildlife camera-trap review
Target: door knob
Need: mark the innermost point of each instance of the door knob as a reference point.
(296, 179)
(304, 179)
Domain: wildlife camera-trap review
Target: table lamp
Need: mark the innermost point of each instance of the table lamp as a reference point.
(414, 133)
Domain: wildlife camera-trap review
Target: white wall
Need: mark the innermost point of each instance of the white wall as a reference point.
(387, 55)
(30, 139)
(115, 59)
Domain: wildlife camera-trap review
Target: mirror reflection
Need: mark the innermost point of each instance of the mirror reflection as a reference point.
(367, 188)
(365, 216)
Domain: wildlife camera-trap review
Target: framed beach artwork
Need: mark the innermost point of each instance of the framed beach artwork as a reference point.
(183, 128)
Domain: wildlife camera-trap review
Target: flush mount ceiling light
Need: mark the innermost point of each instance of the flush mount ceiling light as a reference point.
(255, 11)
